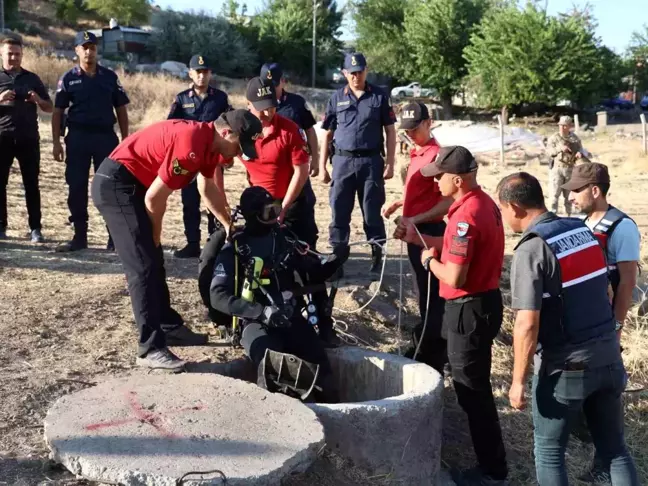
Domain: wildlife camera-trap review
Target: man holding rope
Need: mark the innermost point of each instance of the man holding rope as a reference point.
(423, 207)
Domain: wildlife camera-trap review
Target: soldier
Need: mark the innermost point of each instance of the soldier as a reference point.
(94, 96)
(204, 103)
(21, 92)
(565, 149)
(354, 121)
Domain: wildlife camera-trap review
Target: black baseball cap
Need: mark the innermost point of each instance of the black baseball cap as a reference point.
(84, 37)
(271, 72)
(586, 174)
(199, 62)
(451, 160)
(412, 115)
(355, 62)
(247, 126)
(260, 92)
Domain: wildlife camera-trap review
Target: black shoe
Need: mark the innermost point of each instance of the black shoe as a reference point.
(36, 236)
(183, 336)
(376, 259)
(161, 359)
(597, 473)
(172, 318)
(75, 244)
(192, 250)
(3, 233)
(475, 477)
(110, 246)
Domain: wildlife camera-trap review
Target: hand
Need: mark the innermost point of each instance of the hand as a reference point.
(425, 254)
(282, 215)
(566, 148)
(517, 396)
(391, 209)
(57, 151)
(33, 97)
(578, 155)
(314, 170)
(7, 96)
(325, 177)
(389, 171)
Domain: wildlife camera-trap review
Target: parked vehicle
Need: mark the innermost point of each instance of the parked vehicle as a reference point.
(412, 90)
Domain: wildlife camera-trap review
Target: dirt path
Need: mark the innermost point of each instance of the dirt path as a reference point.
(66, 322)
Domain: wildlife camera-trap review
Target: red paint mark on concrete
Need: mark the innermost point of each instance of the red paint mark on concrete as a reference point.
(140, 414)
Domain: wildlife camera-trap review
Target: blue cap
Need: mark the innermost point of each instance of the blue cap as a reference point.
(271, 72)
(355, 62)
(84, 37)
(198, 62)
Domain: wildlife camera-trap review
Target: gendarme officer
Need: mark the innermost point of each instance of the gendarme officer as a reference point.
(94, 95)
(354, 120)
(204, 103)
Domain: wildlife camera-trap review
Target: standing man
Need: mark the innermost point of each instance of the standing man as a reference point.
(21, 92)
(94, 95)
(203, 103)
(131, 191)
(565, 149)
(354, 121)
(469, 269)
(564, 319)
(621, 241)
(424, 207)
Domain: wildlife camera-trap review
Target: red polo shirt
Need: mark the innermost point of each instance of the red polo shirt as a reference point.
(421, 193)
(283, 146)
(474, 235)
(175, 150)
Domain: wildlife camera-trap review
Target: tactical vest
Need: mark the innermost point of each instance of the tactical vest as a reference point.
(603, 232)
(581, 311)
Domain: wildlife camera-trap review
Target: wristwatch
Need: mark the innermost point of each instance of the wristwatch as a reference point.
(618, 325)
(426, 263)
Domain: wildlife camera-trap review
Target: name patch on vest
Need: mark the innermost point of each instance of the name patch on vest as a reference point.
(189, 105)
(579, 255)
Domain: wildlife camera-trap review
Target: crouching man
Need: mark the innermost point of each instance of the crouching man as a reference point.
(254, 282)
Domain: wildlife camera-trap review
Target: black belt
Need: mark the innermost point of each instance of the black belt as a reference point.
(471, 297)
(357, 153)
(79, 127)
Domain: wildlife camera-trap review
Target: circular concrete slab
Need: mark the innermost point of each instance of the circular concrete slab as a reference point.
(151, 430)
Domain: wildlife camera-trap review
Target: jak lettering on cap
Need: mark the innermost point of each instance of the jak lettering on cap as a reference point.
(260, 92)
(412, 115)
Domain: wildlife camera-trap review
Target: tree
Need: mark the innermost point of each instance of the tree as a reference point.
(638, 57)
(521, 56)
(286, 34)
(436, 34)
(380, 35)
(127, 12)
(178, 36)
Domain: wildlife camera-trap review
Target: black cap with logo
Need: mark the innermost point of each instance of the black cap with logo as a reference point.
(355, 62)
(248, 128)
(412, 115)
(198, 62)
(272, 72)
(451, 160)
(260, 92)
(84, 37)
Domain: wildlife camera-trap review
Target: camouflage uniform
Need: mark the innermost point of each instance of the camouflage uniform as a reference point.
(562, 164)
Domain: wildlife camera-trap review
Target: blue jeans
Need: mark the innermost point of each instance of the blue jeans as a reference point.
(557, 399)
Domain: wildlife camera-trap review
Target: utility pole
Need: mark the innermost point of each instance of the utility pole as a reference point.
(2, 27)
(314, 40)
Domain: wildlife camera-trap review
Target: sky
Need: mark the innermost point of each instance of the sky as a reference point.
(617, 19)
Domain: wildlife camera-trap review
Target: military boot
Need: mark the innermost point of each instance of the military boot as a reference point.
(376, 258)
(79, 241)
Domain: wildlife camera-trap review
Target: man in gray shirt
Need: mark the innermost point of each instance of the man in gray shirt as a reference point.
(564, 318)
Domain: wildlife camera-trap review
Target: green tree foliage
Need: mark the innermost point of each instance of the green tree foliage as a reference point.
(638, 58)
(285, 35)
(523, 55)
(381, 36)
(436, 34)
(127, 12)
(181, 35)
(68, 10)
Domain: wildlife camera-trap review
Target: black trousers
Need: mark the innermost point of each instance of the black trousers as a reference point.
(470, 325)
(433, 345)
(119, 197)
(191, 213)
(28, 154)
(83, 148)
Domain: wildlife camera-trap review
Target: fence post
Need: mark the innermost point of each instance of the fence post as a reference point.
(643, 131)
(501, 129)
(576, 124)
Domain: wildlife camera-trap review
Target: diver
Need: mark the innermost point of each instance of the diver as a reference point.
(256, 290)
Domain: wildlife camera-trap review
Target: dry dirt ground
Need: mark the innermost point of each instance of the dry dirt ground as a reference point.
(66, 322)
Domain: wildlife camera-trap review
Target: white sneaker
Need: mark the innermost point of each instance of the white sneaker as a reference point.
(161, 359)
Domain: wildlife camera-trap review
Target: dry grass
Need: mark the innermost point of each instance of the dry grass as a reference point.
(66, 316)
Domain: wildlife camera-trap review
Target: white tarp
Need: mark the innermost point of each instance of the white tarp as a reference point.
(482, 138)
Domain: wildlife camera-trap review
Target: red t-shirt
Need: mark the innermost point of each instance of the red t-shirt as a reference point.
(175, 150)
(283, 146)
(474, 235)
(421, 193)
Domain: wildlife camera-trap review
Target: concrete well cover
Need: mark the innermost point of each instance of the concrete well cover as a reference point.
(151, 430)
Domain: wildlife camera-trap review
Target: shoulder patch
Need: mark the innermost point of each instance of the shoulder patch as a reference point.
(459, 246)
(178, 169)
(219, 271)
(462, 228)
